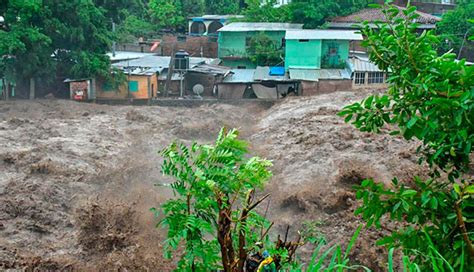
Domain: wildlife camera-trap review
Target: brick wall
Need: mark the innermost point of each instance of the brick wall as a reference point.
(192, 45)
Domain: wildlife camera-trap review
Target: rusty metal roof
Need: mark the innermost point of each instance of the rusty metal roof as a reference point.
(376, 14)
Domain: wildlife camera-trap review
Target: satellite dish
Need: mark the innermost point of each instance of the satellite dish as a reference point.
(198, 89)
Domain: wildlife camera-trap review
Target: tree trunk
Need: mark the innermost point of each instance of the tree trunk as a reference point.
(224, 236)
(32, 88)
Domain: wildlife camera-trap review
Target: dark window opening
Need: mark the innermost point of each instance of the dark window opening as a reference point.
(303, 40)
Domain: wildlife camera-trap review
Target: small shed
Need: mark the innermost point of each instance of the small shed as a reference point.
(206, 76)
(81, 89)
(237, 85)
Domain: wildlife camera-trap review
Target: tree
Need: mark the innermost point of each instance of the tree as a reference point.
(310, 13)
(430, 98)
(119, 10)
(221, 7)
(266, 12)
(454, 30)
(192, 7)
(167, 13)
(214, 208)
(133, 28)
(264, 51)
(42, 37)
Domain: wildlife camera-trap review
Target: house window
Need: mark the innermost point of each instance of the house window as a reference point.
(303, 40)
(133, 86)
(375, 78)
(359, 78)
(241, 67)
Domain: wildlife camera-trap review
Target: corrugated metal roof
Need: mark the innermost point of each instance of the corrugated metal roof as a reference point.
(240, 76)
(262, 73)
(162, 62)
(317, 74)
(334, 74)
(339, 25)
(126, 55)
(210, 69)
(323, 35)
(236, 27)
(360, 63)
(217, 17)
(304, 74)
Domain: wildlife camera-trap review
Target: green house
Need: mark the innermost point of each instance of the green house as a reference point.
(318, 49)
(234, 39)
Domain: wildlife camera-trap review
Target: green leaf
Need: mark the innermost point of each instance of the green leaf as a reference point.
(469, 189)
(412, 122)
(409, 193)
(457, 189)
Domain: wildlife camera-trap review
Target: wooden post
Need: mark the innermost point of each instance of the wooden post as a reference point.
(149, 90)
(32, 88)
(7, 89)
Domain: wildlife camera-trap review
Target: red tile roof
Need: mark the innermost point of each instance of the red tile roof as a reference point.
(372, 15)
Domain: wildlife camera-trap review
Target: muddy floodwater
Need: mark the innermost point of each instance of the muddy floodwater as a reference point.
(77, 180)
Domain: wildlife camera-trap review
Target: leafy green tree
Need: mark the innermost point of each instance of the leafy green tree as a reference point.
(311, 13)
(430, 98)
(454, 30)
(42, 37)
(264, 51)
(215, 200)
(192, 7)
(167, 13)
(221, 7)
(132, 28)
(257, 11)
(119, 10)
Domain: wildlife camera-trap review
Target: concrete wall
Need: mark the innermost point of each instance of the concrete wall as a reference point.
(233, 44)
(147, 88)
(303, 54)
(310, 88)
(239, 63)
(343, 52)
(200, 27)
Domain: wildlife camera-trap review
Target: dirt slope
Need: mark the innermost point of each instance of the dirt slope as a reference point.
(77, 180)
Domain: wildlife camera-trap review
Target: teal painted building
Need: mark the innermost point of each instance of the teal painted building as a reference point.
(318, 49)
(234, 39)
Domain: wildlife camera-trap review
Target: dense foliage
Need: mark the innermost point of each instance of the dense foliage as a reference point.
(454, 30)
(310, 13)
(167, 13)
(430, 98)
(41, 37)
(221, 6)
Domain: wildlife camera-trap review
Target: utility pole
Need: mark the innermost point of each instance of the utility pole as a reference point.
(114, 43)
(170, 72)
(462, 44)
